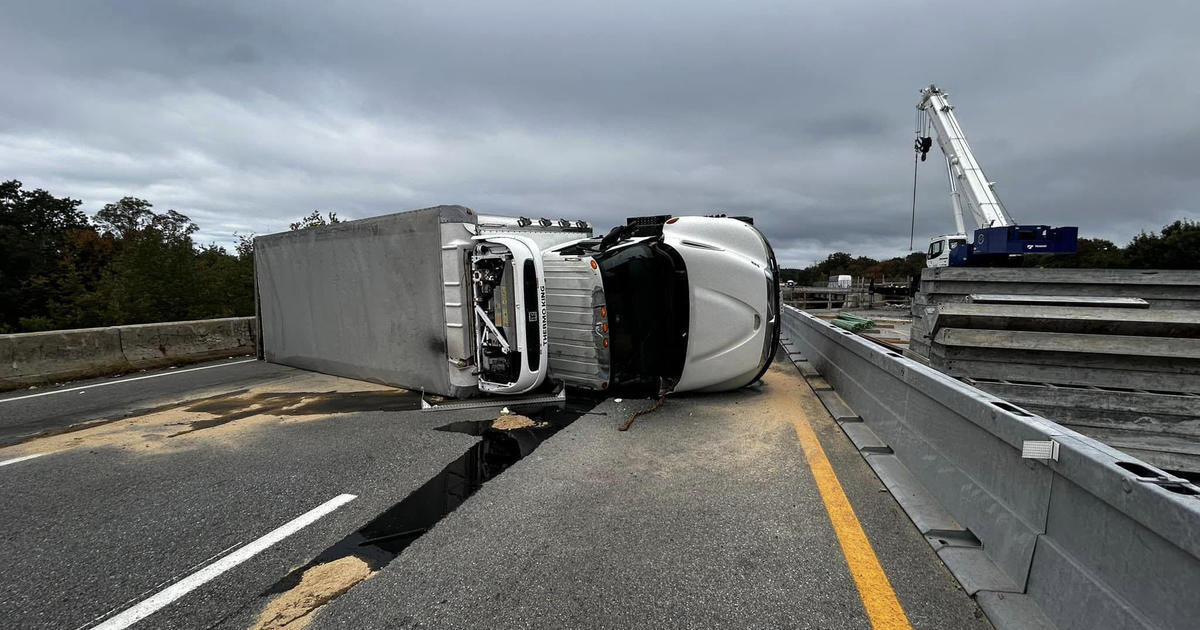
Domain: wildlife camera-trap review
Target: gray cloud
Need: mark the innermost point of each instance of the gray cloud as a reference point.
(246, 116)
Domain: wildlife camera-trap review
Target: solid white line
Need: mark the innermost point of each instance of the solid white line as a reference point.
(125, 380)
(192, 582)
(21, 459)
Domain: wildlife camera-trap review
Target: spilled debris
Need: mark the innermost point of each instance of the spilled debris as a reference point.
(512, 421)
(319, 585)
(229, 409)
(223, 416)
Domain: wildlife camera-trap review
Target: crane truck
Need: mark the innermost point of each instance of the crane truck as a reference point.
(455, 303)
(997, 239)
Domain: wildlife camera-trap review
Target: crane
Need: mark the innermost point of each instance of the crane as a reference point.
(998, 239)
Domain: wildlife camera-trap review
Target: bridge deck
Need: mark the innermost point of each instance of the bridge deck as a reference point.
(745, 509)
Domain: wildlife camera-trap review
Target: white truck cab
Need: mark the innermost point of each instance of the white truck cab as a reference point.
(671, 303)
(938, 254)
(733, 301)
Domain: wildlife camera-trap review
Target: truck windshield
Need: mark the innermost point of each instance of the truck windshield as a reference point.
(645, 287)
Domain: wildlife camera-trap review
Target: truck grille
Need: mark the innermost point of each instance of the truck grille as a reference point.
(574, 306)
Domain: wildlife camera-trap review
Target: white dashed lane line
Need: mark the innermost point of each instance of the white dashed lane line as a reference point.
(190, 583)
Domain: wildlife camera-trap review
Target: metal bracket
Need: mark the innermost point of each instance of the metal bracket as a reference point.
(492, 327)
(499, 401)
(1039, 449)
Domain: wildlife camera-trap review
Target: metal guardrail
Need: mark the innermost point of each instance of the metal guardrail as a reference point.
(1092, 539)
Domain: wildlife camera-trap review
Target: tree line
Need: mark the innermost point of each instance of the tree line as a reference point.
(127, 264)
(1176, 246)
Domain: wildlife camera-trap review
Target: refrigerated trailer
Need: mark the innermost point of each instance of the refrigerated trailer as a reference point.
(451, 302)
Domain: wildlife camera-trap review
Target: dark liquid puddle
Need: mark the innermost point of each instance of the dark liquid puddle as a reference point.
(392, 531)
(231, 408)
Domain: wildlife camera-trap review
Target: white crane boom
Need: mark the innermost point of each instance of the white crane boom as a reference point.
(969, 187)
(996, 238)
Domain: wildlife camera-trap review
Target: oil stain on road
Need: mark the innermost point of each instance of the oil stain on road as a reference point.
(178, 424)
(225, 409)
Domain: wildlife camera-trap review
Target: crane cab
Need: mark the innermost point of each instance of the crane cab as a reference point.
(938, 254)
(999, 246)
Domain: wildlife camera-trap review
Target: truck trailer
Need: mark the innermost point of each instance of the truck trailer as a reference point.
(451, 302)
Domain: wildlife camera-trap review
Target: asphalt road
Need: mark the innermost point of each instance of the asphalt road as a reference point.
(117, 512)
(705, 514)
(28, 412)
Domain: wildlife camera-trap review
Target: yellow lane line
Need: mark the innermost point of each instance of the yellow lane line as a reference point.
(883, 609)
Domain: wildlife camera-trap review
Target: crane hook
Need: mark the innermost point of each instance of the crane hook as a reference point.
(922, 145)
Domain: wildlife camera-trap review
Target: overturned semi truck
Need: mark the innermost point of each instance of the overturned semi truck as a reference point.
(455, 303)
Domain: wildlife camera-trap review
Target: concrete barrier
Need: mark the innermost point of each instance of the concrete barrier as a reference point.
(1045, 527)
(45, 357)
(40, 357)
(149, 343)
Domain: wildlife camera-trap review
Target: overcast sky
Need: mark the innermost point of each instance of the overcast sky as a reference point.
(248, 115)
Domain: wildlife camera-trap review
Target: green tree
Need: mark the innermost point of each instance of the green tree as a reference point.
(911, 265)
(153, 276)
(125, 217)
(1177, 247)
(34, 227)
(1090, 253)
(130, 265)
(85, 261)
(315, 220)
(835, 263)
(224, 283)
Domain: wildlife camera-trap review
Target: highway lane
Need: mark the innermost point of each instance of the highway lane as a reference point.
(113, 513)
(706, 513)
(28, 412)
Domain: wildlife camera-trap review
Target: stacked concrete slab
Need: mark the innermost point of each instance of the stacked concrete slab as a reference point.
(1112, 353)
